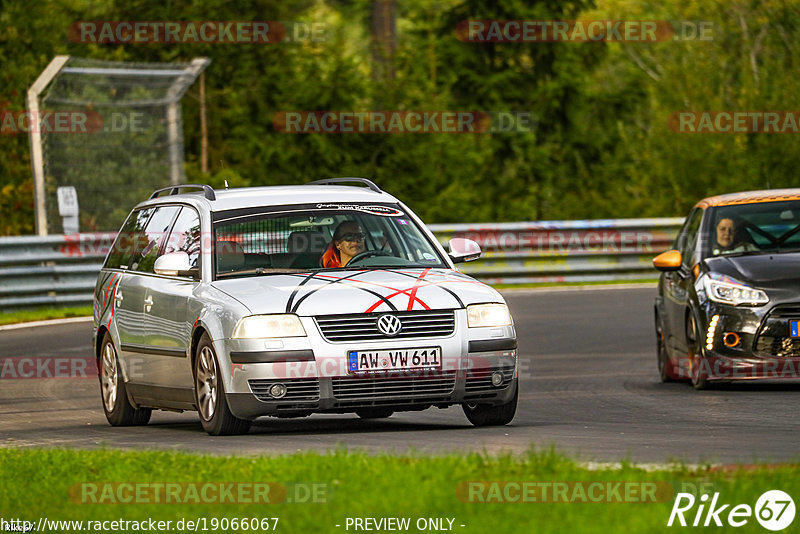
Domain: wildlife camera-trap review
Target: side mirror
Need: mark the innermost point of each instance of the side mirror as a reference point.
(175, 264)
(462, 250)
(668, 261)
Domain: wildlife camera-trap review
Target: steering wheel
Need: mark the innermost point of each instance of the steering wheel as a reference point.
(367, 254)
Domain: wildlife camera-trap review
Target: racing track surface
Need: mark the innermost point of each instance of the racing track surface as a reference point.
(589, 386)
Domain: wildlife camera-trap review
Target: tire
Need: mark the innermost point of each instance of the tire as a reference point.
(695, 354)
(209, 393)
(374, 413)
(661, 353)
(488, 415)
(117, 407)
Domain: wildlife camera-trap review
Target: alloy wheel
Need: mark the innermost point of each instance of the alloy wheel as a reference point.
(207, 383)
(110, 377)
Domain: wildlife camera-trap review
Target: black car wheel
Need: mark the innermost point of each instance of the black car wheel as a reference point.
(212, 405)
(118, 410)
(488, 415)
(695, 354)
(661, 353)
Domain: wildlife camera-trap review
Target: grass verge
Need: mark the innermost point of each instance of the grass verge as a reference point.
(43, 314)
(50, 483)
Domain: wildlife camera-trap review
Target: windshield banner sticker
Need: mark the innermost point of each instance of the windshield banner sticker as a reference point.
(384, 211)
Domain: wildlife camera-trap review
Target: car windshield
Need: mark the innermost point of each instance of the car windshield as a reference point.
(766, 227)
(325, 236)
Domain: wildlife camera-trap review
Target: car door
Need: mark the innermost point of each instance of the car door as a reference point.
(147, 363)
(168, 325)
(677, 284)
(128, 291)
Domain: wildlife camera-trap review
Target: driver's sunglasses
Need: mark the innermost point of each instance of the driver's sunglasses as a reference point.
(354, 236)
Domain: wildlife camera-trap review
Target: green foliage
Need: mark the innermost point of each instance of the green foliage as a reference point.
(601, 147)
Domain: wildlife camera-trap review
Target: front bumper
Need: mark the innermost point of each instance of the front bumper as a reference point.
(315, 373)
(749, 344)
(399, 390)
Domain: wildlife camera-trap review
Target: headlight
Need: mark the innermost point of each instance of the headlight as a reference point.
(728, 290)
(488, 315)
(260, 326)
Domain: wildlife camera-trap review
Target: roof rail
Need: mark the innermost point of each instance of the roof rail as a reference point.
(332, 181)
(208, 192)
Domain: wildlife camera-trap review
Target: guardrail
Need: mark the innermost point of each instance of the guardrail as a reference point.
(564, 251)
(62, 269)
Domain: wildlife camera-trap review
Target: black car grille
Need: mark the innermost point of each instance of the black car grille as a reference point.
(408, 390)
(297, 390)
(364, 327)
(773, 338)
(479, 382)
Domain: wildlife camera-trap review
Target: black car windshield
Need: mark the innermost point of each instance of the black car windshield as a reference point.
(326, 236)
(758, 228)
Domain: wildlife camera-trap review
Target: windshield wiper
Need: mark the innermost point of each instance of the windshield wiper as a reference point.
(744, 253)
(261, 271)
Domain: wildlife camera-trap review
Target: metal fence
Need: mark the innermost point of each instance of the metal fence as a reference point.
(61, 269)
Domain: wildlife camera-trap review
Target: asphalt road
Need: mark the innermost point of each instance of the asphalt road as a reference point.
(589, 386)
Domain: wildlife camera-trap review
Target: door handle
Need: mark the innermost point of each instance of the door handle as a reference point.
(118, 298)
(148, 303)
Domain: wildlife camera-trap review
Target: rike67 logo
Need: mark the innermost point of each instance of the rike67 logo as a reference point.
(774, 510)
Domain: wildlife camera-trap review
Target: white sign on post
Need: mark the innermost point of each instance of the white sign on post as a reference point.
(68, 208)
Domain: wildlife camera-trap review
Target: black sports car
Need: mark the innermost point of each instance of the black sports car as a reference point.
(728, 305)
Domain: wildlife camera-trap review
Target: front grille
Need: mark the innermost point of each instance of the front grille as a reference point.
(425, 388)
(297, 390)
(479, 382)
(779, 347)
(364, 327)
(773, 337)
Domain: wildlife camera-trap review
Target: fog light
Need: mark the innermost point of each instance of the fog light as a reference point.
(497, 379)
(731, 339)
(277, 390)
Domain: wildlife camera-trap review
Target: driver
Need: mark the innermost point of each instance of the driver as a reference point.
(347, 242)
(727, 243)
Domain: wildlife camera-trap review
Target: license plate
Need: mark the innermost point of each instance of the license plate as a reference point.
(794, 331)
(390, 360)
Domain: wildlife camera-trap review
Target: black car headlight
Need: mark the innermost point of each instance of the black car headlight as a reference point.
(727, 290)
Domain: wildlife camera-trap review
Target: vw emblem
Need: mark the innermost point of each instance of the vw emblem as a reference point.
(389, 325)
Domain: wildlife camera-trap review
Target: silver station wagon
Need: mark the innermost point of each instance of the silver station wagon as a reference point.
(329, 297)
